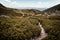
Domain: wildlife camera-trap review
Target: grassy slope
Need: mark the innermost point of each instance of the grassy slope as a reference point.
(15, 12)
(20, 28)
(52, 27)
(53, 9)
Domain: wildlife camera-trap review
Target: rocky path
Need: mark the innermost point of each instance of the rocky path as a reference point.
(43, 34)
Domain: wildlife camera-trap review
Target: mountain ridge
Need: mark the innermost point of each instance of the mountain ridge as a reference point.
(17, 12)
(53, 9)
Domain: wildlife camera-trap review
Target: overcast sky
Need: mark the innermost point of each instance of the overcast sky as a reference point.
(30, 3)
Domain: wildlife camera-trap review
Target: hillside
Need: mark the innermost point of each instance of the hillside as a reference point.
(1, 6)
(18, 27)
(6, 11)
(26, 24)
(16, 12)
(53, 9)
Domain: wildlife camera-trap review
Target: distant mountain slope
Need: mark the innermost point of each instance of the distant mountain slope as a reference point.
(41, 9)
(17, 12)
(1, 6)
(53, 9)
(6, 11)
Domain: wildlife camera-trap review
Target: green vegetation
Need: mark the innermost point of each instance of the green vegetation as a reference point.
(52, 27)
(53, 9)
(19, 27)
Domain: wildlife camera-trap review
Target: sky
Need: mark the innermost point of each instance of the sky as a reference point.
(29, 3)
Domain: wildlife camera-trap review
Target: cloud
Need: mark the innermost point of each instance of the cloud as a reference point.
(47, 4)
(14, 4)
(43, 4)
(7, 0)
(34, 4)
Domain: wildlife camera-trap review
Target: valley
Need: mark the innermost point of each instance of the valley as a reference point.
(29, 24)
